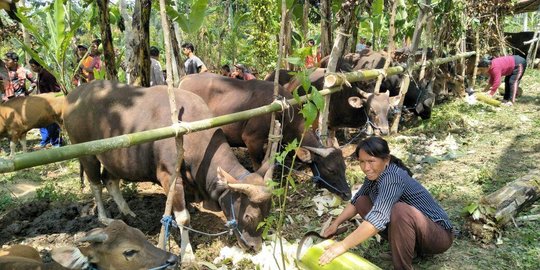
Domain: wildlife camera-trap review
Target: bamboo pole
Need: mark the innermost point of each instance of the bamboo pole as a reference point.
(278, 66)
(169, 54)
(333, 84)
(390, 46)
(337, 79)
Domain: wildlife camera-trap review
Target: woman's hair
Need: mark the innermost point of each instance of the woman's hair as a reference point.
(378, 147)
(484, 62)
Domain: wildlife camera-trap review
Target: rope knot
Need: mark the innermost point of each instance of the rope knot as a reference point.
(344, 79)
(178, 127)
(232, 225)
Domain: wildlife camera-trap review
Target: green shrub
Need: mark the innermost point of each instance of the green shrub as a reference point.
(5, 200)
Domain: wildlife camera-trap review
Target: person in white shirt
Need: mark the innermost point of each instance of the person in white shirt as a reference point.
(156, 73)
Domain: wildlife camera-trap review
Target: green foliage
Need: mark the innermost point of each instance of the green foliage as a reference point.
(5, 200)
(50, 192)
(191, 21)
(129, 189)
(52, 47)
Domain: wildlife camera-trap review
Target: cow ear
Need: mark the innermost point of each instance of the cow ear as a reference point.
(70, 258)
(303, 154)
(394, 101)
(356, 102)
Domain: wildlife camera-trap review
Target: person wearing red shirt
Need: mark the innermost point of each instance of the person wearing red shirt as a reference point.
(512, 67)
(242, 73)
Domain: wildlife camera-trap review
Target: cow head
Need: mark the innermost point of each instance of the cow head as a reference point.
(246, 203)
(376, 107)
(328, 168)
(118, 246)
(425, 99)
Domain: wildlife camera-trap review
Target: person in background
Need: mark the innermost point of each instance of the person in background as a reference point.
(156, 73)
(393, 204)
(368, 45)
(512, 67)
(15, 84)
(241, 73)
(46, 83)
(361, 45)
(193, 64)
(225, 71)
(90, 62)
(311, 58)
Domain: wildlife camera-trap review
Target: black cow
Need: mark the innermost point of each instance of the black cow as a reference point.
(515, 42)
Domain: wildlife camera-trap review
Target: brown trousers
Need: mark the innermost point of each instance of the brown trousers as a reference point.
(409, 230)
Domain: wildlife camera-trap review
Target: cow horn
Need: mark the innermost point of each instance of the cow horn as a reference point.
(323, 152)
(256, 193)
(264, 167)
(363, 94)
(95, 238)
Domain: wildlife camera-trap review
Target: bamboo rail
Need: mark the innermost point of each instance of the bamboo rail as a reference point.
(333, 82)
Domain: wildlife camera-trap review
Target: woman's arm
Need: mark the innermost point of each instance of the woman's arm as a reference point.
(363, 232)
(347, 213)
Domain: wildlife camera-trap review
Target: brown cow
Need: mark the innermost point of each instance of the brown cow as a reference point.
(118, 246)
(103, 109)
(225, 95)
(20, 114)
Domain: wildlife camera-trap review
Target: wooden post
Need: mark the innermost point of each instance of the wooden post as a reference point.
(476, 57)
(344, 18)
(402, 92)
(174, 119)
(390, 51)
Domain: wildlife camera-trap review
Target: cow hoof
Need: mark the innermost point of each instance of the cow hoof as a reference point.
(129, 213)
(189, 261)
(105, 221)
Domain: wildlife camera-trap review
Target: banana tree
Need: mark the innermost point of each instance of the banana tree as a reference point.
(52, 47)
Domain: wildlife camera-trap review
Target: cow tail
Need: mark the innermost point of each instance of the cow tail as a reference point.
(81, 175)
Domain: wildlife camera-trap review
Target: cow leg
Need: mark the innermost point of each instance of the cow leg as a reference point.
(91, 167)
(113, 186)
(183, 220)
(23, 142)
(12, 148)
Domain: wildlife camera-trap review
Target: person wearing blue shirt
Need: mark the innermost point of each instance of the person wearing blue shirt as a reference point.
(395, 205)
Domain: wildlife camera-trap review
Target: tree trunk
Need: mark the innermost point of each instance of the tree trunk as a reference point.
(489, 216)
(106, 39)
(305, 20)
(176, 54)
(140, 72)
(287, 43)
(326, 27)
(129, 40)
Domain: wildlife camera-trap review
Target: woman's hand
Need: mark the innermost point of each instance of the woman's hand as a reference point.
(331, 230)
(331, 252)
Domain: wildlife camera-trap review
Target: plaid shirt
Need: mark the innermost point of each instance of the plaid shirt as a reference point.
(395, 185)
(16, 83)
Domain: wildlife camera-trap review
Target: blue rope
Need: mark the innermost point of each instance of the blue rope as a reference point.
(316, 177)
(167, 221)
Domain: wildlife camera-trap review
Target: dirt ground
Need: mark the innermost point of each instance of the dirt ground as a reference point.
(464, 152)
